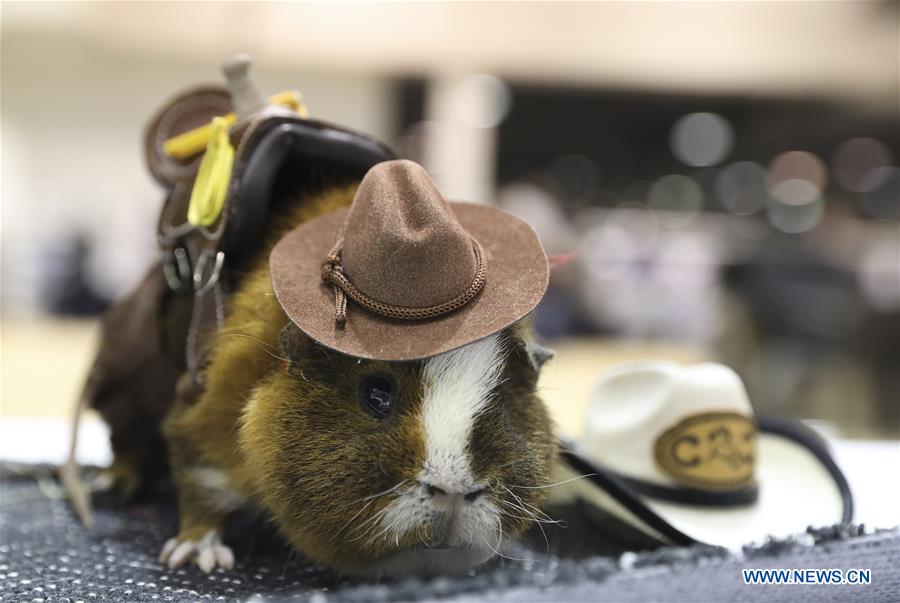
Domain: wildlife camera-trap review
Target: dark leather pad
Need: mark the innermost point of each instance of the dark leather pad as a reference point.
(188, 110)
(307, 153)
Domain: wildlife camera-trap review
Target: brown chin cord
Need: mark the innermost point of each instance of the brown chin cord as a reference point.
(333, 274)
(70, 473)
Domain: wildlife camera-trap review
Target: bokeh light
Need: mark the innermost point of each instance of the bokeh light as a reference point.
(687, 259)
(795, 218)
(701, 139)
(412, 144)
(795, 191)
(574, 178)
(795, 180)
(741, 187)
(597, 255)
(631, 230)
(483, 101)
(797, 165)
(881, 199)
(634, 191)
(540, 209)
(677, 198)
(879, 279)
(855, 160)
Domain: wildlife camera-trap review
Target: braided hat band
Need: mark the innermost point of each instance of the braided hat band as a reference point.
(333, 274)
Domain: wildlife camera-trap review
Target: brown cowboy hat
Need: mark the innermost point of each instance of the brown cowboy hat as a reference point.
(403, 274)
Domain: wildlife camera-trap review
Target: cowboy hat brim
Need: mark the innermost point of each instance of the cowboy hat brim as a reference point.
(516, 279)
(799, 486)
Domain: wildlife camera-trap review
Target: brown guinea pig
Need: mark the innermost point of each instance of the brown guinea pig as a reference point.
(369, 467)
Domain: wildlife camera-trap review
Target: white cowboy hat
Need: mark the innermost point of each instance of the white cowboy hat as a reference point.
(677, 452)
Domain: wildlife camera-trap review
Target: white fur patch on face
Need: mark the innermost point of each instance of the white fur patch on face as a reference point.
(458, 385)
(457, 388)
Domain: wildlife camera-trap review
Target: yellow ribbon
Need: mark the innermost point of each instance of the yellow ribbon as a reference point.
(186, 145)
(213, 176)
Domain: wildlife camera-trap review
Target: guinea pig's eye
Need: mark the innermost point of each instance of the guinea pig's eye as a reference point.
(377, 393)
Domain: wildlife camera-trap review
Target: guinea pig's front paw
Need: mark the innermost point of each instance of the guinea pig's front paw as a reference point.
(208, 552)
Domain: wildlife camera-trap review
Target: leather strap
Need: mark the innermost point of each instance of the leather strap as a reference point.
(197, 260)
(805, 436)
(691, 496)
(621, 492)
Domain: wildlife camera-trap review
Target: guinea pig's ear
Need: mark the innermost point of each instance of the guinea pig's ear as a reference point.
(294, 343)
(538, 354)
(523, 338)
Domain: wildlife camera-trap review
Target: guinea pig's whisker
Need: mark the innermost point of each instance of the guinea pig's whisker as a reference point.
(423, 539)
(355, 515)
(325, 353)
(497, 550)
(515, 496)
(265, 346)
(287, 563)
(530, 509)
(525, 516)
(514, 516)
(541, 517)
(392, 527)
(539, 525)
(364, 529)
(517, 461)
(532, 516)
(383, 492)
(380, 534)
(495, 485)
(537, 511)
(369, 500)
(517, 506)
(366, 534)
(370, 525)
(565, 481)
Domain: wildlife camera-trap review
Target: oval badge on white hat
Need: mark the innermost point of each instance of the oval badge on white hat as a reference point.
(709, 450)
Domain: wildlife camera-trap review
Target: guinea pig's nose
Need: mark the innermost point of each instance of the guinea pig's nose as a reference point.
(474, 494)
(434, 490)
(443, 493)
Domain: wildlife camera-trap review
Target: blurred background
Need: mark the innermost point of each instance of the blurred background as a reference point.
(719, 179)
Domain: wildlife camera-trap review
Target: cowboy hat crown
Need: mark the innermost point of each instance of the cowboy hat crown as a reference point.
(403, 254)
(404, 274)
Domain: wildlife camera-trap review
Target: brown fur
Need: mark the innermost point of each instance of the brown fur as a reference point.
(281, 417)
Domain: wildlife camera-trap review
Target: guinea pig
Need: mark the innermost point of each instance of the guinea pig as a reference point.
(368, 467)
